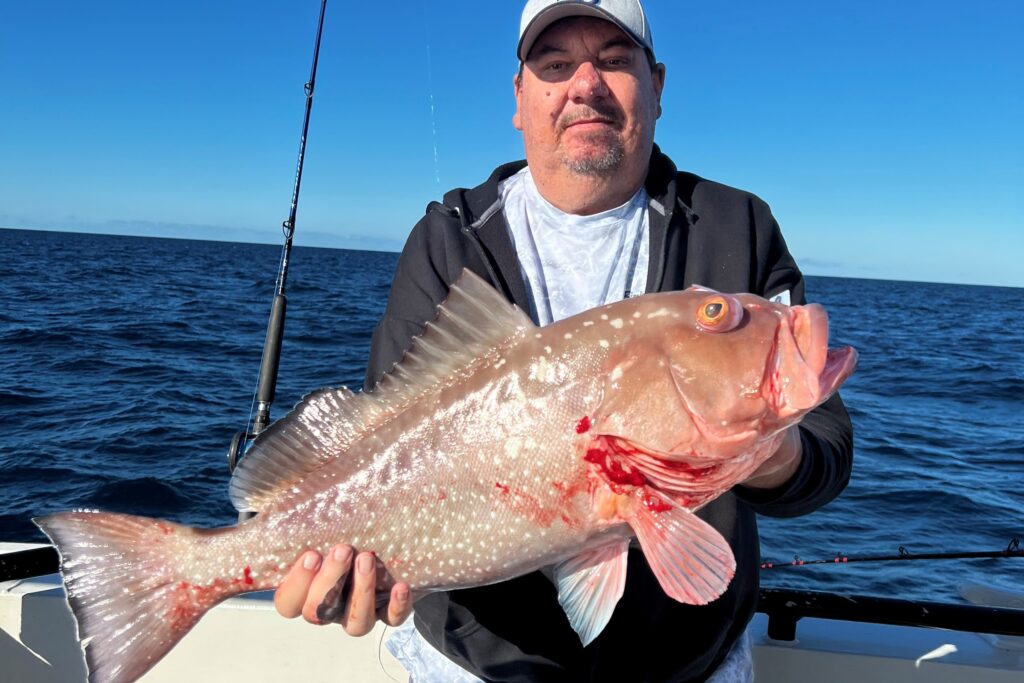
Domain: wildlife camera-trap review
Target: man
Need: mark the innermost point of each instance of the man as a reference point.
(597, 213)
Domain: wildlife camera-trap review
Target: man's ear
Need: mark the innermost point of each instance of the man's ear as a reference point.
(517, 90)
(658, 80)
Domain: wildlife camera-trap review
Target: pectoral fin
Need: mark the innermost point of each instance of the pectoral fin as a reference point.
(590, 585)
(692, 561)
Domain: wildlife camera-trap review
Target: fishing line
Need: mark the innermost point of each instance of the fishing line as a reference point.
(380, 654)
(1013, 549)
(430, 94)
(433, 119)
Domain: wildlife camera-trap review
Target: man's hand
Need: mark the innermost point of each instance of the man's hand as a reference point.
(776, 470)
(315, 587)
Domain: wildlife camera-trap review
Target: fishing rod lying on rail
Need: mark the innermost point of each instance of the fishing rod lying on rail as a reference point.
(275, 325)
(1012, 550)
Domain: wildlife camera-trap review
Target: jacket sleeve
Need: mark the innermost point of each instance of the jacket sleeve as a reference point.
(418, 287)
(826, 433)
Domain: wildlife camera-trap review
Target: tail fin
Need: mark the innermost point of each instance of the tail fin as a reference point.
(120, 575)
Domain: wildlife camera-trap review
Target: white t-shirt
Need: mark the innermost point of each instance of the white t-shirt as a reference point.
(571, 263)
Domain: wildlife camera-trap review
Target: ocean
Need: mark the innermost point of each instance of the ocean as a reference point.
(127, 363)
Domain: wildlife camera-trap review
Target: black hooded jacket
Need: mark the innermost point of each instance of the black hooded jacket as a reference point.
(701, 232)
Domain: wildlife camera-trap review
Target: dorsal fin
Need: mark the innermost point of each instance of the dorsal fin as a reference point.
(321, 427)
(471, 324)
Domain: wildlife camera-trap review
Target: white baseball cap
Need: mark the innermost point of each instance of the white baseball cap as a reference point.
(628, 15)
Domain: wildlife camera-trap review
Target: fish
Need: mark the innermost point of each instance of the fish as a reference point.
(494, 448)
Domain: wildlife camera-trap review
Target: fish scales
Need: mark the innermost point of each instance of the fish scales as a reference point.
(493, 481)
(493, 449)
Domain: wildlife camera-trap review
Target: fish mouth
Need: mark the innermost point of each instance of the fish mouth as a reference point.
(839, 364)
(802, 371)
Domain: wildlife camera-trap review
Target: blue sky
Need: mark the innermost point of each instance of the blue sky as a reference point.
(886, 136)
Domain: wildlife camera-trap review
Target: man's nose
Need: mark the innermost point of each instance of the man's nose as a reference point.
(587, 83)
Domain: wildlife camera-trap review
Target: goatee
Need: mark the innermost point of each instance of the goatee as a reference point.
(605, 157)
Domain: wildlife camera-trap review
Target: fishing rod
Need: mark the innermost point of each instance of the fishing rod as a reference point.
(275, 325)
(1012, 550)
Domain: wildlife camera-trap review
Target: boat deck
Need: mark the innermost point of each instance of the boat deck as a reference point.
(244, 639)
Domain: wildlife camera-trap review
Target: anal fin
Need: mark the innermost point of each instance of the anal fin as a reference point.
(590, 585)
(693, 562)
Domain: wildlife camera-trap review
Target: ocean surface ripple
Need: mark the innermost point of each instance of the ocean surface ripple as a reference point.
(126, 364)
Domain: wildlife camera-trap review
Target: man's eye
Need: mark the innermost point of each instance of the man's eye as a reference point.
(616, 62)
(555, 66)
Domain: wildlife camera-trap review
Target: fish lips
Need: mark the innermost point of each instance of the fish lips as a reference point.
(802, 372)
(839, 365)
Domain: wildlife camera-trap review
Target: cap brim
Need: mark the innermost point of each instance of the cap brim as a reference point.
(562, 11)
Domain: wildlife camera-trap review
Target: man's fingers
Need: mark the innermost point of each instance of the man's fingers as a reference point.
(335, 588)
(290, 595)
(362, 610)
(399, 607)
(324, 602)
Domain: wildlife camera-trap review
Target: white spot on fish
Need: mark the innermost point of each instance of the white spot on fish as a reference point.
(616, 373)
(604, 316)
(617, 323)
(547, 349)
(636, 314)
(499, 363)
(660, 313)
(541, 370)
(603, 344)
(588, 323)
(513, 446)
(568, 335)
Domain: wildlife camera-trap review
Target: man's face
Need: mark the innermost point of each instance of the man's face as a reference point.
(588, 98)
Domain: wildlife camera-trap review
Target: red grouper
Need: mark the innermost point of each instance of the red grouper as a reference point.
(493, 449)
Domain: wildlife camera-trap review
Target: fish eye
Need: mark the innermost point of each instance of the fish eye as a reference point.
(719, 313)
(713, 311)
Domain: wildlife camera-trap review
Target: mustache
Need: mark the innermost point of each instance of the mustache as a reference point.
(589, 112)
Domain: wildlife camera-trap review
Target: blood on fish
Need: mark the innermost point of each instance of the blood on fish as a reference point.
(568, 491)
(167, 530)
(613, 470)
(583, 425)
(695, 473)
(654, 503)
(531, 507)
(247, 573)
(619, 446)
(191, 600)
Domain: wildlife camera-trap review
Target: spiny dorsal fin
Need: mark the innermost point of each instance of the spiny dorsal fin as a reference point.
(471, 324)
(473, 321)
(320, 428)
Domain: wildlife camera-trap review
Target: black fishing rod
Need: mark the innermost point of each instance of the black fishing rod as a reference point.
(275, 325)
(1012, 550)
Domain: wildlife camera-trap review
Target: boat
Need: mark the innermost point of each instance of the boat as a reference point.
(796, 636)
